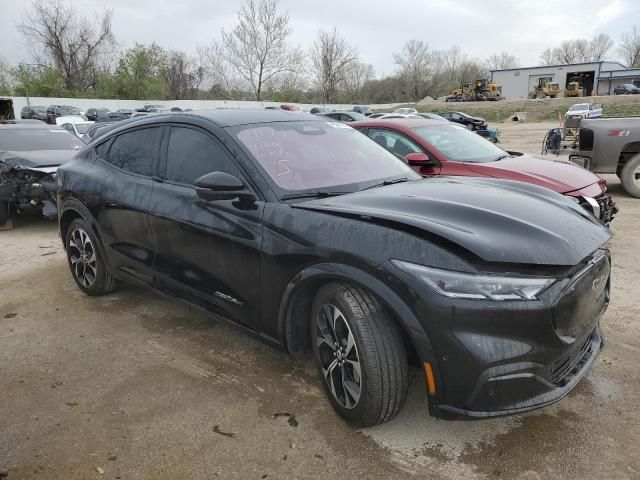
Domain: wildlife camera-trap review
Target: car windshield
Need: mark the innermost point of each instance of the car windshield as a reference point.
(357, 116)
(458, 144)
(308, 155)
(83, 127)
(66, 110)
(579, 106)
(38, 139)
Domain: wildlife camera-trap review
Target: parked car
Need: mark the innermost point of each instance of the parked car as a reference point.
(344, 116)
(626, 89)
(441, 148)
(405, 110)
(29, 155)
(387, 116)
(472, 123)
(583, 110)
(93, 114)
(432, 116)
(31, 112)
(316, 110)
(611, 145)
(496, 288)
(364, 110)
(120, 114)
(79, 129)
(55, 111)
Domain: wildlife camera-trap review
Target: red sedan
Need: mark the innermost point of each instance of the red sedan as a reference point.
(434, 147)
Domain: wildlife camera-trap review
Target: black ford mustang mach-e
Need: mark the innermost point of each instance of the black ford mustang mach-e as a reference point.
(312, 236)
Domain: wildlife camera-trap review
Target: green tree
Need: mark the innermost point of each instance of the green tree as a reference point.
(38, 81)
(139, 74)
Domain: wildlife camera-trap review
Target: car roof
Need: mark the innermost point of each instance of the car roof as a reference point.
(402, 123)
(243, 116)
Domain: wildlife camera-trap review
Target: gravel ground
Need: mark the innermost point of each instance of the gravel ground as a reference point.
(134, 386)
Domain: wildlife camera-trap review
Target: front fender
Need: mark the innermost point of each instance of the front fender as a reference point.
(288, 323)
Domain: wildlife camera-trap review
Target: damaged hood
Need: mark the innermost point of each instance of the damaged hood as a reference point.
(497, 220)
(558, 175)
(36, 158)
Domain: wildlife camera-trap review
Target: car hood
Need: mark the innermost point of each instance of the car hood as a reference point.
(37, 158)
(558, 175)
(497, 220)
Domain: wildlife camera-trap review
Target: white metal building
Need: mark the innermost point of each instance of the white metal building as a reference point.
(598, 78)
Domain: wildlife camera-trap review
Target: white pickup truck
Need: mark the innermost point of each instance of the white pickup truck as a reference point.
(584, 110)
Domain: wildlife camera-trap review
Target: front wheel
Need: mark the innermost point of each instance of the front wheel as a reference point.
(630, 176)
(85, 260)
(360, 354)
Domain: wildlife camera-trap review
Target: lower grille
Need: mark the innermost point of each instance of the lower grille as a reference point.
(568, 367)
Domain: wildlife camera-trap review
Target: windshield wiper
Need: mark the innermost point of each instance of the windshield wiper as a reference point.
(506, 155)
(388, 182)
(318, 194)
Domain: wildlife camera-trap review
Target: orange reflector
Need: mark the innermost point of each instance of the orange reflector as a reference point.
(431, 381)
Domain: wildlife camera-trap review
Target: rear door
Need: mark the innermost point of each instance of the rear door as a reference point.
(206, 251)
(121, 207)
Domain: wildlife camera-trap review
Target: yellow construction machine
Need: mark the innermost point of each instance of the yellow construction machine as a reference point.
(479, 90)
(574, 88)
(545, 88)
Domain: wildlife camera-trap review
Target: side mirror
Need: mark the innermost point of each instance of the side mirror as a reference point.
(221, 186)
(419, 159)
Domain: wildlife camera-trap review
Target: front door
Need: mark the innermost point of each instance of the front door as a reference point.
(206, 251)
(402, 145)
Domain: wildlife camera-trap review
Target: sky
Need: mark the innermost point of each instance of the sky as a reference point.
(376, 28)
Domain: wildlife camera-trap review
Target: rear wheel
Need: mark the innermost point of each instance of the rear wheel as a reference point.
(85, 260)
(630, 176)
(360, 355)
(4, 212)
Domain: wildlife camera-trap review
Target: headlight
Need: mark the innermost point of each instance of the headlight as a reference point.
(465, 285)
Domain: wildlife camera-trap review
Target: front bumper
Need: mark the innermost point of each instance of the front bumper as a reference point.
(493, 358)
(525, 391)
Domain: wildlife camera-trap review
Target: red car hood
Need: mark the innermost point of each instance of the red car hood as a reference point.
(559, 175)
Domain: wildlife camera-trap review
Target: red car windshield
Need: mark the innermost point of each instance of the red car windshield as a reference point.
(311, 155)
(458, 144)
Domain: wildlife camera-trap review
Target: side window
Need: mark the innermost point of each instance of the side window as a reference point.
(394, 142)
(68, 127)
(192, 153)
(134, 151)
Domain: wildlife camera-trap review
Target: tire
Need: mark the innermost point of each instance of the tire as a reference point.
(4, 212)
(630, 176)
(368, 341)
(85, 260)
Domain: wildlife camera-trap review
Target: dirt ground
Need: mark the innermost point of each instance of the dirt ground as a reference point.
(134, 386)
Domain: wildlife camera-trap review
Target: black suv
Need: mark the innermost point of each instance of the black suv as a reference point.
(33, 113)
(626, 89)
(472, 123)
(312, 236)
(55, 111)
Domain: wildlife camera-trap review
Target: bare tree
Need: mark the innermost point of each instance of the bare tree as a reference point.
(257, 45)
(599, 47)
(547, 57)
(356, 77)
(629, 48)
(5, 78)
(414, 67)
(219, 79)
(183, 76)
(453, 58)
(331, 58)
(62, 41)
(502, 61)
